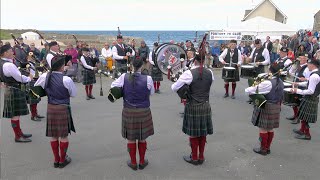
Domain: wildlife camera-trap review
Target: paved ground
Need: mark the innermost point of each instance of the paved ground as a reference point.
(99, 152)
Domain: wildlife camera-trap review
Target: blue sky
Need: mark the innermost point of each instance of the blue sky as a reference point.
(142, 14)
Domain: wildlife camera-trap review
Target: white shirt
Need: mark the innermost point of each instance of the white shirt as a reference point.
(150, 58)
(265, 54)
(185, 78)
(11, 70)
(263, 88)
(224, 54)
(84, 63)
(106, 52)
(49, 57)
(313, 82)
(115, 52)
(306, 73)
(120, 82)
(67, 83)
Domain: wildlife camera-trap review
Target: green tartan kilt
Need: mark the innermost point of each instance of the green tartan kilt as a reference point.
(15, 103)
(31, 99)
(197, 120)
(308, 109)
(156, 74)
(137, 123)
(267, 117)
(89, 77)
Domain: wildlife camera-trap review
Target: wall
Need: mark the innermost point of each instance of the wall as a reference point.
(266, 9)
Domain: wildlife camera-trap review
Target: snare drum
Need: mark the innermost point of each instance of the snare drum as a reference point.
(285, 84)
(229, 73)
(291, 99)
(247, 71)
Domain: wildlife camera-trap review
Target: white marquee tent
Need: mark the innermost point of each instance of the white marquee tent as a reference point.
(30, 36)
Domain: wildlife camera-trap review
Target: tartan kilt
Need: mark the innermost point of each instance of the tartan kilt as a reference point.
(197, 120)
(89, 77)
(32, 99)
(137, 123)
(267, 117)
(59, 121)
(156, 74)
(15, 103)
(308, 109)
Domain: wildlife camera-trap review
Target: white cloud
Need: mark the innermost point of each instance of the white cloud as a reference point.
(141, 14)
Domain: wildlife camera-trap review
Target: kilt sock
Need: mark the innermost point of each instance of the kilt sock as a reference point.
(158, 85)
(142, 146)
(16, 128)
(90, 89)
(155, 85)
(194, 143)
(33, 109)
(87, 89)
(234, 85)
(303, 126)
(307, 130)
(184, 101)
(132, 149)
(202, 142)
(226, 86)
(63, 150)
(270, 137)
(55, 150)
(295, 111)
(264, 141)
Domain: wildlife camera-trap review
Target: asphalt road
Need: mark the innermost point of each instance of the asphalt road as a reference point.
(98, 150)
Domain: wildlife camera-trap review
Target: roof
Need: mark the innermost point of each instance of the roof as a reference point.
(260, 5)
(262, 24)
(30, 33)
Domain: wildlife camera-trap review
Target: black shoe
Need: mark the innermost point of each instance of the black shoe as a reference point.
(56, 164)
(38, 116)
(226, 95)
(188, 159)
(26, 135)
(303, 137)
(65, 163)
(88, 98)
(200, 161)
(22, 140)
(290, 118)
(91, 97)
(249, 101)
(268, 151)
(296, 121)
(35, 119)
(260, 151)
(142, 166)
(233, 97)
(133, 167)
(157, 91)
(297, 131)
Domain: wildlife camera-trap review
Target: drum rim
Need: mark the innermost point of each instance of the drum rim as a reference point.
(231, 68)
(247, 66)
(288, 84)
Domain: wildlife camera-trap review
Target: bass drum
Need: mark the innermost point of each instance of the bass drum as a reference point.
(169, 54)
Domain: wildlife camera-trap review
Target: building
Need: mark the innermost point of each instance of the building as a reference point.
(266, 9)
(316, 24)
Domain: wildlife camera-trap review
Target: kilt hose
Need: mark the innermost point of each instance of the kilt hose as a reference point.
(89, 77)
(59, 121)
(197, 120)
(156, 74)
(137, 123)
(15, 103)
(308, 109)
(267, 117)
(30, 98)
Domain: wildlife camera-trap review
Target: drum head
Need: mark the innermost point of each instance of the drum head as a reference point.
(287, 89)
(286, 84)
(247, 66)
(229, 68)
(169, 54)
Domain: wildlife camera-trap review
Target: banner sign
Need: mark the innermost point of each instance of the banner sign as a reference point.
(225, 35)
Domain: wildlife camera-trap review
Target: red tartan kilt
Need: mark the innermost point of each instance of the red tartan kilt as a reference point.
(59, 121)
(267, 117)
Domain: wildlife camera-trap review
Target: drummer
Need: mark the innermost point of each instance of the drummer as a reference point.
(301, 73)
(283, 60)
(260, 57)
(156, 74)
(231, 57)
(309, 105)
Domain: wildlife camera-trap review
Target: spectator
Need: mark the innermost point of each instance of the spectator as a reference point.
(19, 53)
(294, 43)
(44, 52)
(208, 59)
(291, 54)
(268, 44)
(309, 47)
(36, 52)
(215, 53)
(74, 54)
(317, 55)
(315, 45)
(301, 51)
(275, 51)
(106, 53)
(93, 51)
